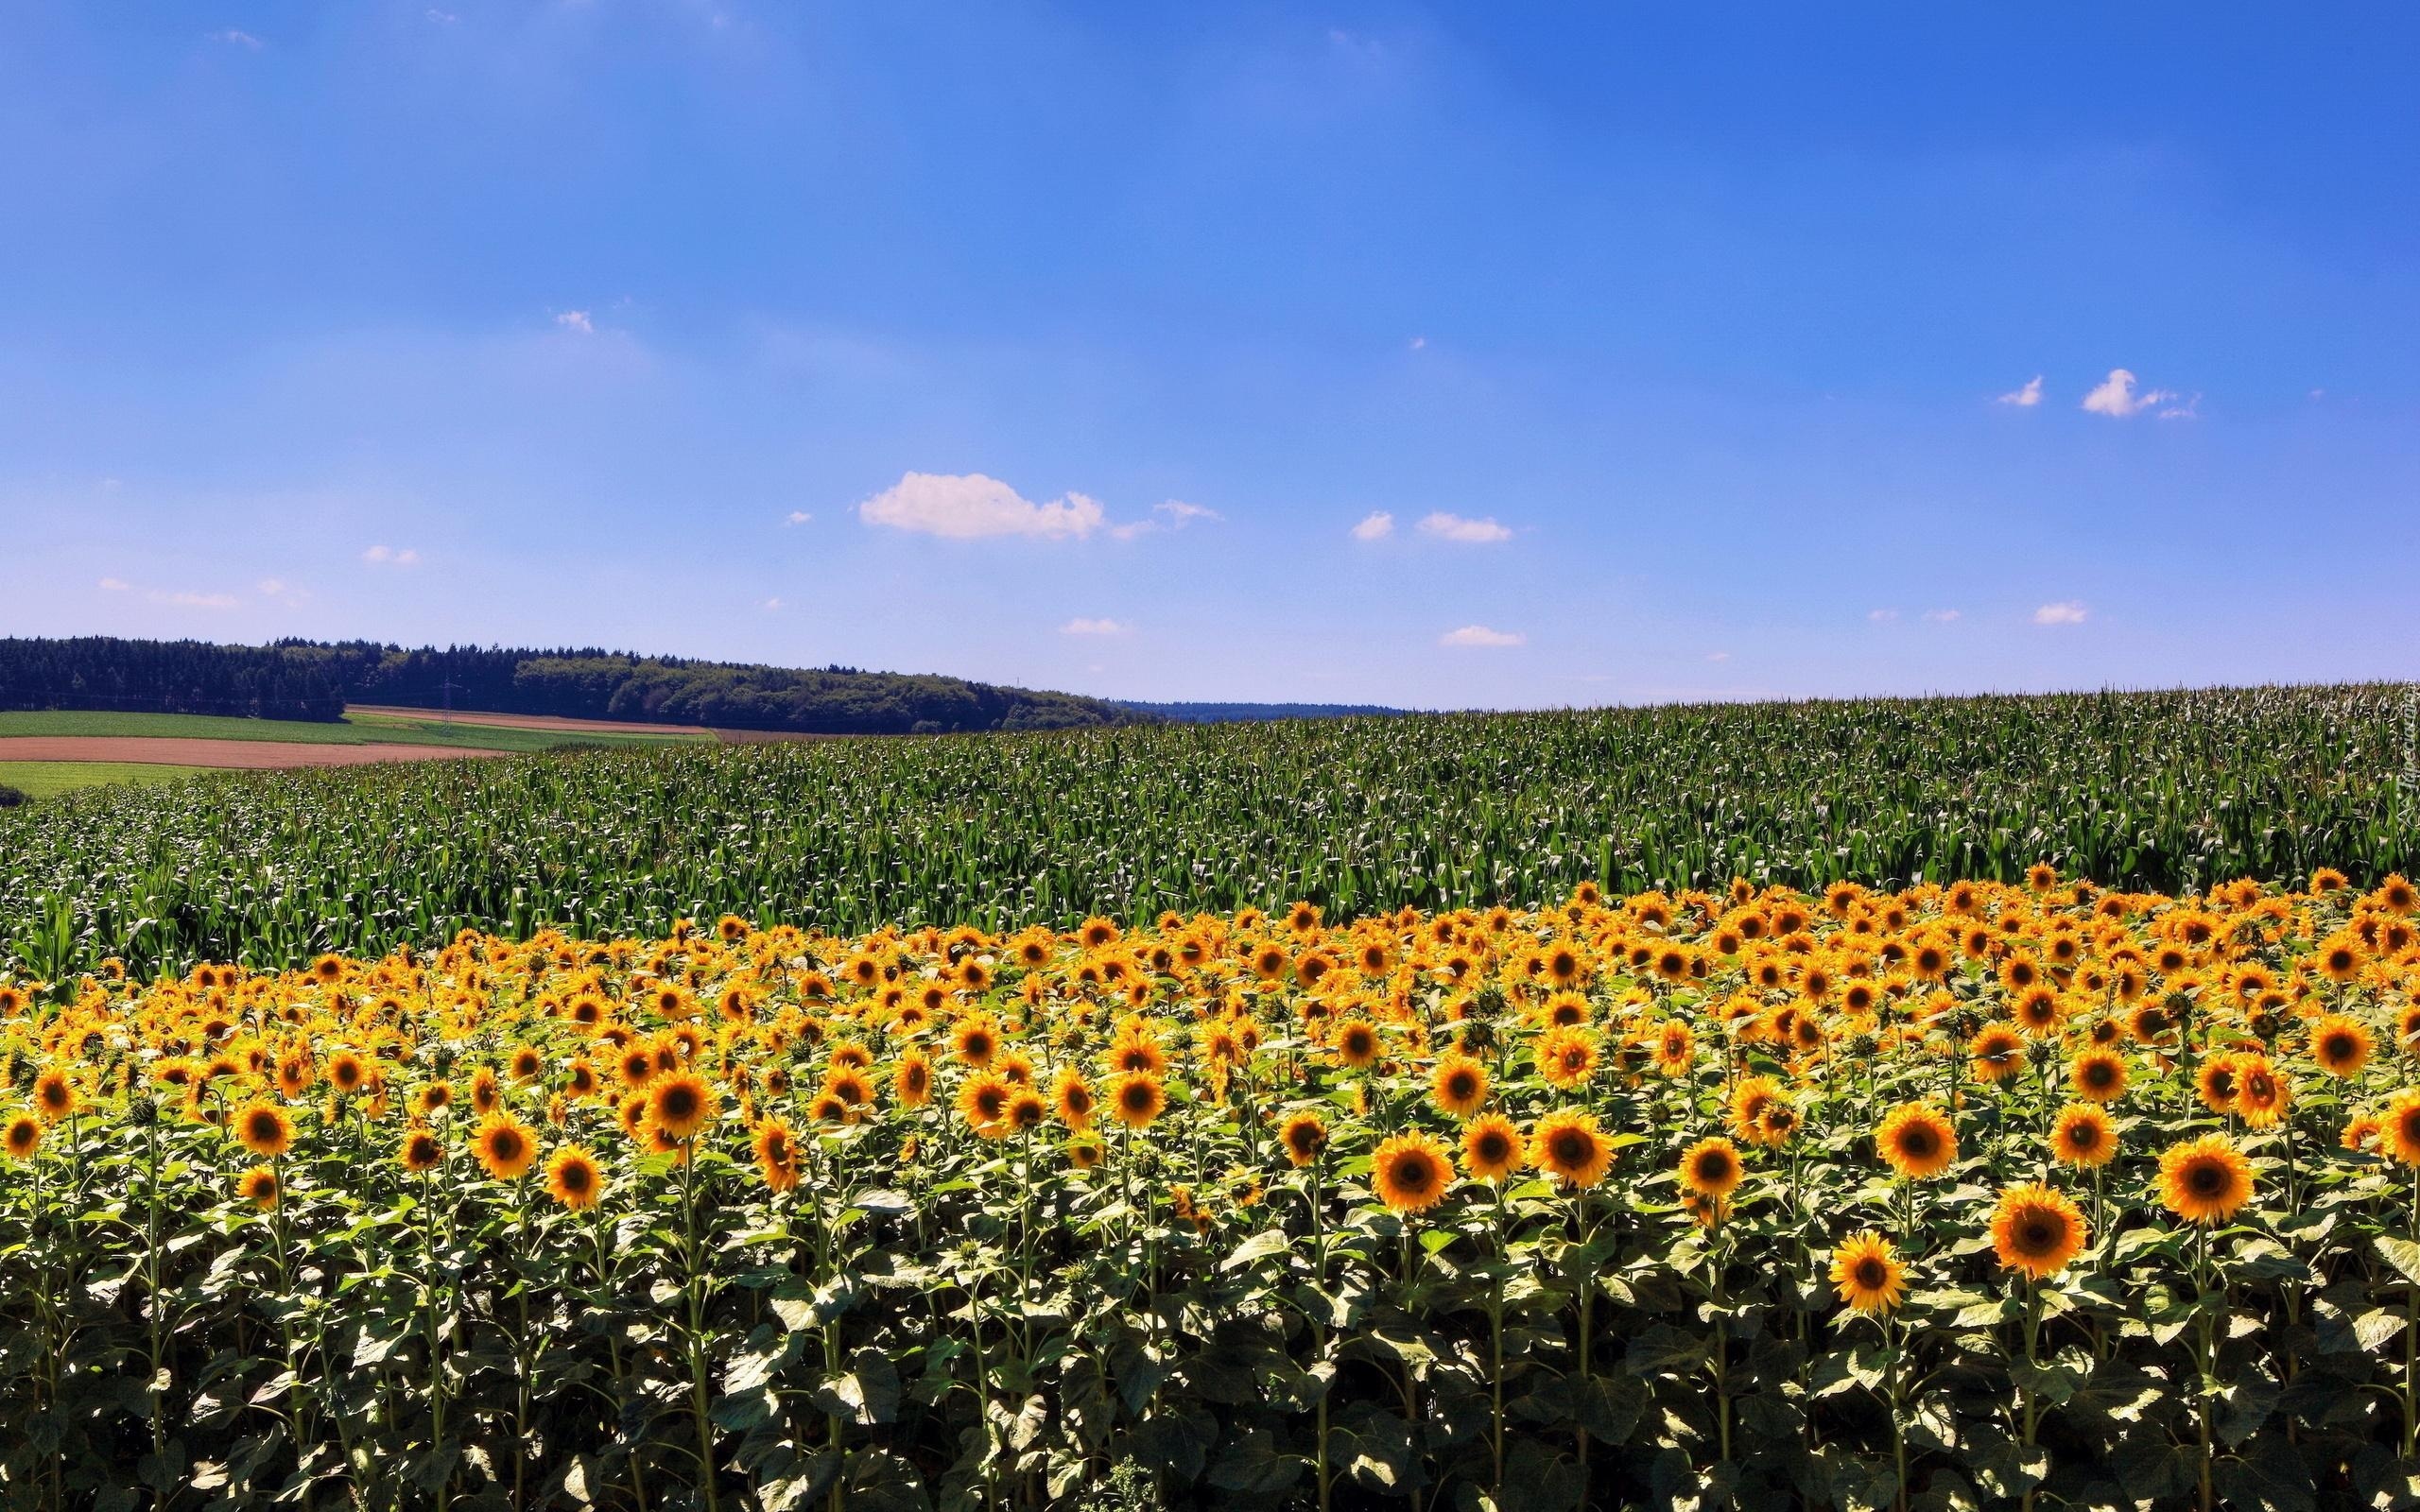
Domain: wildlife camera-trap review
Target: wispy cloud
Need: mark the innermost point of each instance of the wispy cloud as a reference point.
(391, 557)
(1375, 526)
(2067, 611)
(1718, 656)
(190, 598)
(798, 516)
(2189, 409)
(968, 506)
(114, 585)
(1419, 344)
(1174, 514)
(576, 320)
(1942, 616)
(1480, 636)
(442, 18)
(237, 39)
(772, 606)
(2115, 396)
(2026, 396)
(1462, 529)
(1882, 616)
(1085, 626)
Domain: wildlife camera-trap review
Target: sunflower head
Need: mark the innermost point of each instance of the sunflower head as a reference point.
(574, 1179)
(1917, 1142)
(1304, 1136)
(22, 1135)
(1411, 1172)
(1711, 1168)
(264, 1129)
(1868, 1274)
(2204, 1180)
(2036, 1229)
(258, 1186)
(421, 1150)
(1492, 1149)
(1459, 1087)
(506, 1147)
(2084, 1136)
(2400, 1130)
(1136, 1099)
(681, 1104)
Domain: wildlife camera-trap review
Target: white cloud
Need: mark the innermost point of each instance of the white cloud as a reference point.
(114, 585)
(1882, 616)
(2025, 398)
(443, 18)
(772, 606)
(1375, 526)
(2116, 396)
(1460, 529)
(1419, 343)
(240, 38)
(1479, 635)
(1942, 616)
(798, 516)
(188, 598)
(1173, 514)
(576, 320)
(1718, 656)
(2067, 611)
(392, 555)
(970, 505)
(273, 586)
(1083, 626)
(2190, 409)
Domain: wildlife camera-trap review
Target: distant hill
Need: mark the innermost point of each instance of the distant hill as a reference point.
(1221, 713)
(312, 679)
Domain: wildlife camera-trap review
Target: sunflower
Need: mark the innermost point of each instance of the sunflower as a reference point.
(2204, 1180)
(1075, 1099)
(983, 1101)
(1356, 1042)
(2036, 1229)
(2340, 1044)
(505, 1146)
(975, 1040)
(2038, 1009)
(264, 1129)
(1867, 1272)
(1569, 1145)
(1490, 1148)
(421, 1151)
(2217, 1084)
(54, 1095)
(679, 1105)
(486, 1092)
(1304, 1136)
(1459, 1087)
(2084, 1136)
(1917, 1141)
(258, 1186)
(777, 1153)
(1137, 1098)
(346, 1073)
(2401, 1131)
(574, 1179)
(849, 1085)
(1748, 1101)
(2261, 1091)
(1026, 1112)
(1711, 1168)
(911, 1081)
(1997, 1052)
(1411, 1172)
(21, 1136)
(1568, 1058)
(2099, 1076)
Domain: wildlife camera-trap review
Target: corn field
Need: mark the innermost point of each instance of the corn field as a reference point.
(2176, 791)
(2023, 1193)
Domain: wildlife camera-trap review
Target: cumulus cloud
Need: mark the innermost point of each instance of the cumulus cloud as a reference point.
(1942, 616)
(2067, 611)
(576, 320)
(1462, 530)
(1085, 626)
(970, 505)
(2025, 398)
(798, 516)
(391, 556)
(2115, 396)
(1882, 616)
(1479, 635)
(1375, 526)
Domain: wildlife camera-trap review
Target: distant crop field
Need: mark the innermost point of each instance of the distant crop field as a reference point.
(41, 780)
(2174, 791)
(358, 730)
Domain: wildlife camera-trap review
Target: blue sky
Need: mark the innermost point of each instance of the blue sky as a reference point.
(1433, 356)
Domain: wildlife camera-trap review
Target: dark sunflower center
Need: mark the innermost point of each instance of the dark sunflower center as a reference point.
(1872, 1274)
(1570, 1148)
(1411, 1172)
(2207, 1179)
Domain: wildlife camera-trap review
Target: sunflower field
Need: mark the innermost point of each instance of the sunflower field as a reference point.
(2021, 1193)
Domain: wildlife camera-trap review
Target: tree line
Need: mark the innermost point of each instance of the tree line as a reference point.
(315, 680)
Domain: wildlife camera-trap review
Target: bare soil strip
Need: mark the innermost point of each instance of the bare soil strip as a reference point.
(247, 754)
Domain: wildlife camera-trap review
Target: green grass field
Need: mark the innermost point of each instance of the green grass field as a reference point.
(359, 730)
(41, 780)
